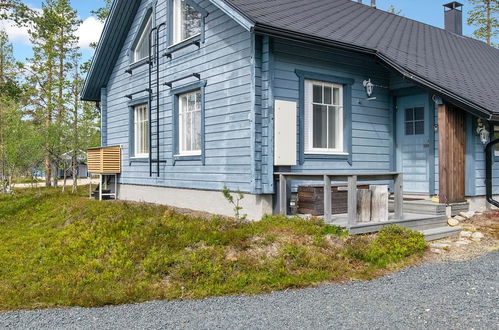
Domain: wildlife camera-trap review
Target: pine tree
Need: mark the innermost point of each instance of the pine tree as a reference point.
(54, 42)
(103, 12)
(484, 15)
(19, 141)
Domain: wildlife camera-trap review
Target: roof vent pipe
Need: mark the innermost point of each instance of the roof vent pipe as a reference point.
(373, 3)
(453, 14)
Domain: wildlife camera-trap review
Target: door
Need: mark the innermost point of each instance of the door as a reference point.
(452, 151)
(413, 143)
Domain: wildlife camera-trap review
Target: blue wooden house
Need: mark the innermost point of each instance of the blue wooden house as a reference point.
(245, 93)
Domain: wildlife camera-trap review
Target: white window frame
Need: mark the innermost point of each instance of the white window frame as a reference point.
(144, 34)
(308, 127)
(496, 129)
(181, 115)
(177, 23)
(138, 125)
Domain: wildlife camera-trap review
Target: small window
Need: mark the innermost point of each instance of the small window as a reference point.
(323, 117)
(141, 50)
(187, 21)
(141, 130)
(414, 121)
(495, 136)
(189, 123)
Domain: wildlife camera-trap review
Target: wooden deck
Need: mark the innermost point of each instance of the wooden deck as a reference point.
(410, 220)
(351, 180)
(432, 224)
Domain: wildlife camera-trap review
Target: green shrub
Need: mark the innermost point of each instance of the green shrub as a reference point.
(392, 244)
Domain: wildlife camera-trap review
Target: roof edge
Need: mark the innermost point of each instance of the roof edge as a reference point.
(97, 53)
(232, 11)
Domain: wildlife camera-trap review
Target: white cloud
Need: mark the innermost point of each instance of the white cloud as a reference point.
(15, 33)
(89, 31)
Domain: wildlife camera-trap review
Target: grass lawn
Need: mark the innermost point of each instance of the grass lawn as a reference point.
(65, 250)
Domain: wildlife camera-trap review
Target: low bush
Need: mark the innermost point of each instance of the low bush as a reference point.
(392, 244)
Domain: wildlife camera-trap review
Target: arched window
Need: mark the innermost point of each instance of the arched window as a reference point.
(141, 49)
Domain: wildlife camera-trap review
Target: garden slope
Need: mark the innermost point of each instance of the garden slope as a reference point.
(66, 250)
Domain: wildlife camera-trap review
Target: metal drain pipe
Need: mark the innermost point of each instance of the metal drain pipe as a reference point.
(489, 152)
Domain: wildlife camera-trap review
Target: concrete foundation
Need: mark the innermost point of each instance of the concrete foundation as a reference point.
(479, 203)
(255, 206)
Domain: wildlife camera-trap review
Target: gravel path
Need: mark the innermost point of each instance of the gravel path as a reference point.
(457, 295)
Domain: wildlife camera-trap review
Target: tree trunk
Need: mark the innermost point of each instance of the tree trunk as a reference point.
(55, 174)
(488, 28)
(64, 176)
(75, 176)
(48, 123)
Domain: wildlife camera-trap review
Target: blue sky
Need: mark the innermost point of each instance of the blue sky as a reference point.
(427, 11)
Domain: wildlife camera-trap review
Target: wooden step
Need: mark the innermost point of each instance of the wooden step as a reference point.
(421, 207)
(433, 234)
(415, 224)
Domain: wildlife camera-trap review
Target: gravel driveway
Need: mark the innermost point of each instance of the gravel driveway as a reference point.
(457, 295)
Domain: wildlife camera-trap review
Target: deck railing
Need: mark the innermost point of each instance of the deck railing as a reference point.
(104, 160)
(351, 179)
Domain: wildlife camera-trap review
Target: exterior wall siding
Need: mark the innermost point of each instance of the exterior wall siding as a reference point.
(224, 61)
(244, 75)
(372, 129)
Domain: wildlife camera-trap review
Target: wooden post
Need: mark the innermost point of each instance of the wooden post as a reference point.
(283, 208)
(327, 198)
(364, 205)
(100, 187)
(115, 187)
(90, 187)
(352, 200)
(379, 204)
(398, 191)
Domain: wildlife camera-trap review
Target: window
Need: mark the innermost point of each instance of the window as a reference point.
(495, 136)
(323, 117)
(141, 131)
(414, 121)
(189, 123)
(141, 49)
(187, 21)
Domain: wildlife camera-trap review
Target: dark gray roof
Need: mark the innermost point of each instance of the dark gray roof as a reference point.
(461, 69)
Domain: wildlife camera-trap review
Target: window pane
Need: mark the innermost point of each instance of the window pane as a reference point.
(191, 21)
(197, 131)
(333, 121)
(419, 127)
(190, 122)
(327, 95)
(418, 113)
(317, 94)
(142, 47)
(191, 102)
(319, 126)
(409, 128)
(188, 131)
(495, 136)
(141, 130)
(336, 98)
(409, 114)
